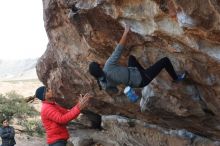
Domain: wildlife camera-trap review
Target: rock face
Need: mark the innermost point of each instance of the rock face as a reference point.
(185, 31)
(120, 131)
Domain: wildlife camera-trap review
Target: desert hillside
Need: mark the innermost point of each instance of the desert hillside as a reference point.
(19, 76)
(18, 69)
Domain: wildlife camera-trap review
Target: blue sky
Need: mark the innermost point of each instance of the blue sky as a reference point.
(22, 33)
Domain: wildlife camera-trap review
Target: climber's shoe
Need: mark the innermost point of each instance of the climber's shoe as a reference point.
(181, 77)
(74, 9)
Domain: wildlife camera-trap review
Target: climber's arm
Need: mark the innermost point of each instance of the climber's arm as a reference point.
(124, 36)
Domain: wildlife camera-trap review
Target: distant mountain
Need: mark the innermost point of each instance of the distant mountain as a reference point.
(18, 69)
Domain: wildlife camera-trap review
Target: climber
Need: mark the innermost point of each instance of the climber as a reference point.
(134, 75)
(55, 117)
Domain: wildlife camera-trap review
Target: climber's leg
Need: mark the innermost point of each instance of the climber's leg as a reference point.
(155, 69)
(132, 62)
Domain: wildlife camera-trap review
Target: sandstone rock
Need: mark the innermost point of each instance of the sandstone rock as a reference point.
(190, 38)
(82, 141)
(119, 131)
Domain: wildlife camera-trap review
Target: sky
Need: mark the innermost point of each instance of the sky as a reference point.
(22, 33)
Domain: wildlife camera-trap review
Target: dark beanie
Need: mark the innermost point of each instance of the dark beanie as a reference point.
(95, 70)
(40, 93)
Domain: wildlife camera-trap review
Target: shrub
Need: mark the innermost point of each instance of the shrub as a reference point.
(32, 127)
(13, 105)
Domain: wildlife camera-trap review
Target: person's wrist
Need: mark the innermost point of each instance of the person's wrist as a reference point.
(78, 106)
(126, 32)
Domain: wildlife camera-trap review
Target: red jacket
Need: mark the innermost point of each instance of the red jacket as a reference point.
(55, 119)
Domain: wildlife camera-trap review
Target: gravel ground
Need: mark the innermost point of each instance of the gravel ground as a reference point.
(24, 140)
